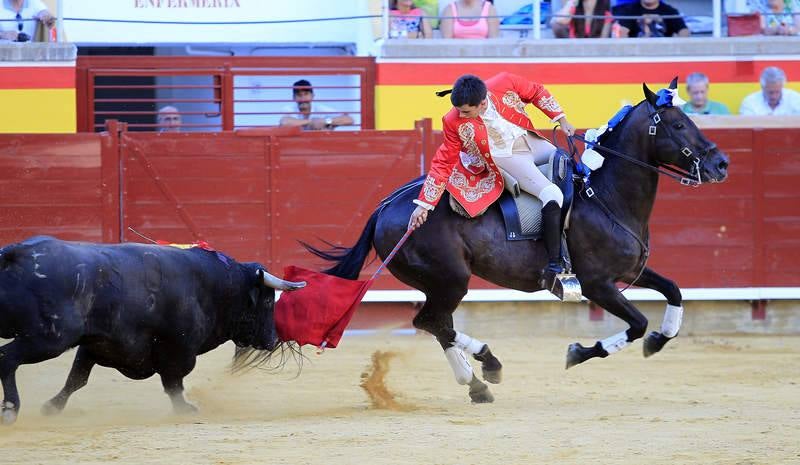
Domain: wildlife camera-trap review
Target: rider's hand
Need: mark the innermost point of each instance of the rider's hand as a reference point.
(418, 217)
(566, 127)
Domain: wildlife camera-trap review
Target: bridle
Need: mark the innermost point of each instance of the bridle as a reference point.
(690, 178)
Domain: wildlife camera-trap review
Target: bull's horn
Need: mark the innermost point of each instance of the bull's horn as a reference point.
(277, 283)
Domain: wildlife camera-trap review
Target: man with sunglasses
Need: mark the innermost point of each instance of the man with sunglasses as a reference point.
(18, 19)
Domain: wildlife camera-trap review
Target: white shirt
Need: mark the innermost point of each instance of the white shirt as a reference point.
(756, 104)
(318, 110)
(30, 9)
(502, 133)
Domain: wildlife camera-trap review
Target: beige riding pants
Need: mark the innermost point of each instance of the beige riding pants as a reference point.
(527, 151)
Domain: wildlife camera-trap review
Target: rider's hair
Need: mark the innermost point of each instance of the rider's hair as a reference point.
(468, 90)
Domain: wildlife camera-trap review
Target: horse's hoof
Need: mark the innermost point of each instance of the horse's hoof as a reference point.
(186, 409)
(576, 353)
(492, 376)
(50, 408)
(481, 395)
(653, 343)
(8, 416)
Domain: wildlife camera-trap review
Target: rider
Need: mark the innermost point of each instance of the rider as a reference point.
(488, 127)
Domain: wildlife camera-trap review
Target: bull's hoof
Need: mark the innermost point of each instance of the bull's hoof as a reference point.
(653, 343)
(50, 408)
(576, 354)
(9, 414)
(492, 376)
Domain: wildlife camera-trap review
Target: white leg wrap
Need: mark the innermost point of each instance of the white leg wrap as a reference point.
(615, 343)
(460, 365)
(468, 344)
(673, 317)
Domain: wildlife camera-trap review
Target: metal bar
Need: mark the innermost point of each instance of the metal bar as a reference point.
(141, 100)
(227, 106)
(537, 19)
(158, 86)
(285, 113)
(717, 12)
(291, 101)
(289, 87)
(60, 20)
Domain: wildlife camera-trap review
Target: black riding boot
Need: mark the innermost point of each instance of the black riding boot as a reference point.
(551, 234)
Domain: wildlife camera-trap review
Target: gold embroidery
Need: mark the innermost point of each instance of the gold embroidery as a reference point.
(431, 190)
(472, 193)
(471, 156)
(511, 99)
(497, 138)
(549, 104)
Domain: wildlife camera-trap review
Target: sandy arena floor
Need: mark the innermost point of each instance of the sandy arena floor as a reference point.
(704, 400)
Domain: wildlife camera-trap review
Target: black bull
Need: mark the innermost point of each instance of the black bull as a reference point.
(142, 309)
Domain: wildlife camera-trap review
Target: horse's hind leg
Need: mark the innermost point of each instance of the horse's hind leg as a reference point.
(436, 317)
(673, 314)
(77, 378)
(611, 299)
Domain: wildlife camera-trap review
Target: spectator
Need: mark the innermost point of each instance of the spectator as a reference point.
(773, 99)
(321, 117)
(699, 104)
(408, 21)
(23, 11)
(169, 119)
(651, 21)
(577, 18)
(779, 17)
(487, 24)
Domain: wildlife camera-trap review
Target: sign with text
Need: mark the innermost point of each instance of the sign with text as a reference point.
(216, 21)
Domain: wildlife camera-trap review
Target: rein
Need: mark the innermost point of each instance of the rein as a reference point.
(677, 174)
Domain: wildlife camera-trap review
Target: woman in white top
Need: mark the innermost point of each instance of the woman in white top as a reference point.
(24, 12)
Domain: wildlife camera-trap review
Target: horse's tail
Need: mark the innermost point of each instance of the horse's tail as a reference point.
(349, 261)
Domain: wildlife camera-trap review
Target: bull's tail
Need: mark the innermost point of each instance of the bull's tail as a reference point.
(349, 260)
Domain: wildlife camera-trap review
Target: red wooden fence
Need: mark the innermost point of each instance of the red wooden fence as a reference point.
(254, 194)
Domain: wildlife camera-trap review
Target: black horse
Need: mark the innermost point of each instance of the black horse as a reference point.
(607, 239)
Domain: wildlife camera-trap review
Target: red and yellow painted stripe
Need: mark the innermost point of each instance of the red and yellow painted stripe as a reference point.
(590, 90)
(38, 97)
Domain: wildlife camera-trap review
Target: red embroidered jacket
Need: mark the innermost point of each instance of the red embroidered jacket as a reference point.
(463, 163)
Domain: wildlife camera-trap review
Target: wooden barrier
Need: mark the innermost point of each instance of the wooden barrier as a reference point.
(255, 194)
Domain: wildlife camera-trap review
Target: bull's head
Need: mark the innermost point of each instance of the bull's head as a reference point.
(254, 325)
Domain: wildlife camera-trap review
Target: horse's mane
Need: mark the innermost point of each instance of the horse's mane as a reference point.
(606, 136)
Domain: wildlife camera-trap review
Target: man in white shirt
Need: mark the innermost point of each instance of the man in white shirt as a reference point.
(301, 113)
(22, 14)
(773, 99)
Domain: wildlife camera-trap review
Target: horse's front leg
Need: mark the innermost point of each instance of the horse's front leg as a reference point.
(673, 314)
(611, 299)
(457, 347)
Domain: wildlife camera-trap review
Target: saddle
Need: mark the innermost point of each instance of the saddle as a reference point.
(522, 212)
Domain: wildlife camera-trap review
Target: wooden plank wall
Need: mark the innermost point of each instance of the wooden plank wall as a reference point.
(255, 196)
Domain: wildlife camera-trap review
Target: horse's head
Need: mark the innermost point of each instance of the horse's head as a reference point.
(679, 142)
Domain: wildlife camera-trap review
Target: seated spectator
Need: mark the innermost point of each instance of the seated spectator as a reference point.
(481, 23)
(651, 21)
(169, 119)
(302, 114)
(772, 99)
(779, 18)
(577, 19)
(699, 104)
(20, 28)
(408, 21)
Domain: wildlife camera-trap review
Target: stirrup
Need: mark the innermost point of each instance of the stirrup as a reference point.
(567, 287)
